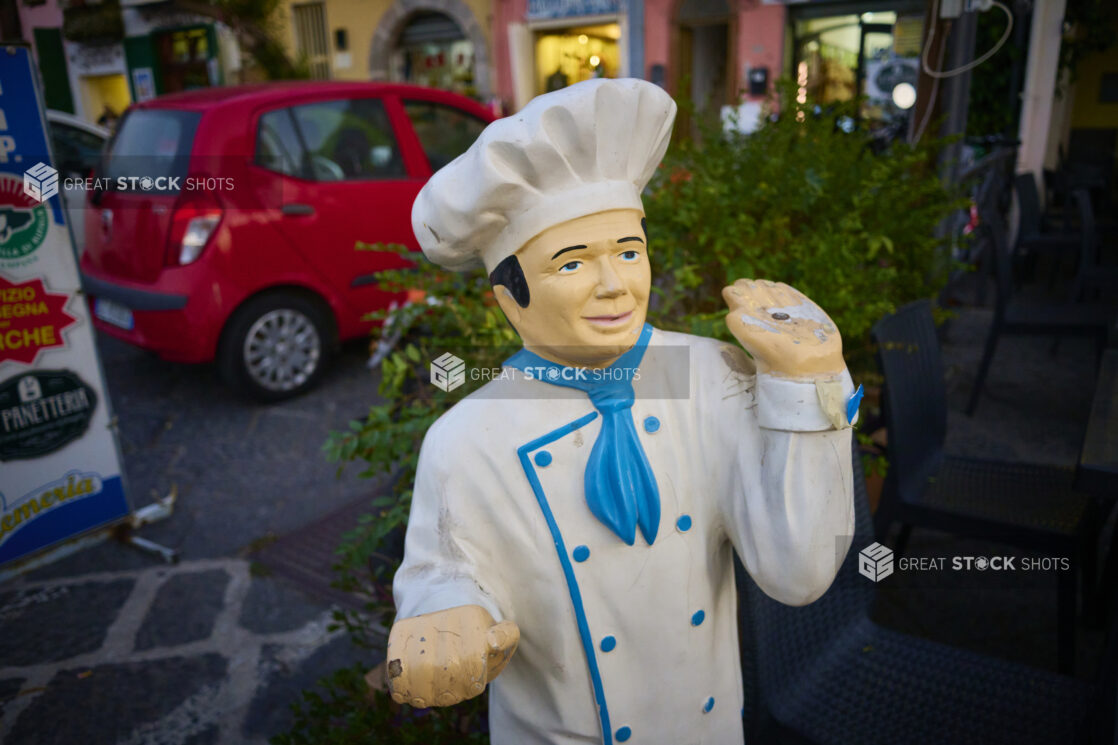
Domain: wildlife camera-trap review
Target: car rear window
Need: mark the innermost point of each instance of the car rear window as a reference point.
(152, 143)
(444, 132)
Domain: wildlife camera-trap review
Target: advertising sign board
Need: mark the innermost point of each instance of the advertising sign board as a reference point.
(60, 469)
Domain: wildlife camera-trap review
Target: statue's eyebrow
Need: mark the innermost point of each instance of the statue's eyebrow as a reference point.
(630, 238)
(562, 251)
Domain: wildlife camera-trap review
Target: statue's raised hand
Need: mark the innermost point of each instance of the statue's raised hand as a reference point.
(786, 332)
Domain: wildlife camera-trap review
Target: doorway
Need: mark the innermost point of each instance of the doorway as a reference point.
(703, 61)
(433, 50)
(184, 58)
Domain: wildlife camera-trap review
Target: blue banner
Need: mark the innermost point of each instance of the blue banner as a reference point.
(59, 510)
(544, 9)
(23, 143)
(60, 472)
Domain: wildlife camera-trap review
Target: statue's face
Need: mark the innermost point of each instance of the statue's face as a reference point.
(588, 282)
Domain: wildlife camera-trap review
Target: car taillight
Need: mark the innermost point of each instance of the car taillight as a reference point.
(192, 225)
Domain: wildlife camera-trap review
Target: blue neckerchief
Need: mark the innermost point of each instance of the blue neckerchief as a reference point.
(620, 487)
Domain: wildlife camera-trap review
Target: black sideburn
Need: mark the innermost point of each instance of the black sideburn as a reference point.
(510, 274)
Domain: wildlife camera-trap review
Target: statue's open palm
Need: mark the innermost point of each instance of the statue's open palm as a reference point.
(785, 331)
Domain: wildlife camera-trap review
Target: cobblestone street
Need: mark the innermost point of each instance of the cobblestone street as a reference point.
(160, 655)
(112, 646)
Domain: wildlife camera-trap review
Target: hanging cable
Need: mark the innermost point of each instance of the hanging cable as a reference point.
(918, 131)
(938, 75)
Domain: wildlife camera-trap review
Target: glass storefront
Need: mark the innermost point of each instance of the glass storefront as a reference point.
(873, 54)
(184, 57)
(446, 65)
(432, 50)
(571, 55)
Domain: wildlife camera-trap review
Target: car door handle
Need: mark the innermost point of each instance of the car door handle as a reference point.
(297, 209)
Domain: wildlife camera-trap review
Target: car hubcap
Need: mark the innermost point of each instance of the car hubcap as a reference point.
(282, 350)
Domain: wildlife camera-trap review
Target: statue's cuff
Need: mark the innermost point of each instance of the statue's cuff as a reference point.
(806, 405)
(443, 597)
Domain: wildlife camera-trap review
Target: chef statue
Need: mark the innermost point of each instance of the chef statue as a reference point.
(573, 520)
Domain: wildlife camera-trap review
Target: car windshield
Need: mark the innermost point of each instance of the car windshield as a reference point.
(151, 144)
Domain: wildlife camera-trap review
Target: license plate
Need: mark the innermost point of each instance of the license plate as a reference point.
(113, 312)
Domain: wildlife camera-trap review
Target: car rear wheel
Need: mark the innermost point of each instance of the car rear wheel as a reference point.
(275, 346)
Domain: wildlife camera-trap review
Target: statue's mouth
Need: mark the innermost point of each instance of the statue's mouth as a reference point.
(608, 321)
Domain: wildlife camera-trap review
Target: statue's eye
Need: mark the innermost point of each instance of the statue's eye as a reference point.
(630, 255)
(569, 267)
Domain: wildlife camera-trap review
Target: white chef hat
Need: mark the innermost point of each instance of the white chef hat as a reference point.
(588, 148)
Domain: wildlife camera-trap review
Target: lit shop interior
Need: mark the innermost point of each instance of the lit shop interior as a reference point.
(876, 54)
(571, 55)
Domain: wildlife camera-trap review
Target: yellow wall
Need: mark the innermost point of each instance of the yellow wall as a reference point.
(360, 18)
(100, 90)
(483, 12)
(1087, 112)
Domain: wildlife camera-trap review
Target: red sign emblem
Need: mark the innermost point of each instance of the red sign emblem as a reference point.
(31, 319)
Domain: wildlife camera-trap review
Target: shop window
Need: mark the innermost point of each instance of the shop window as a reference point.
(444, 132)
(349, 140)
(875, 55)
(184, 56)
(568, 56)
(433, 51)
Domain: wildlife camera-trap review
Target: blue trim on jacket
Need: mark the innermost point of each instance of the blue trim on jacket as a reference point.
(564, 558)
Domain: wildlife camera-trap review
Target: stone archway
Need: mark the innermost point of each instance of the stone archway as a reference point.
(394, 19)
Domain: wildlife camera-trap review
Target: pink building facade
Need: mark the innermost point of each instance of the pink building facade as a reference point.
(723, 55)
(708, 47)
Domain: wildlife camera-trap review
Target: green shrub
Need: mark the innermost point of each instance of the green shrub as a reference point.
(799, 201)
(803, 202)
(343, 714)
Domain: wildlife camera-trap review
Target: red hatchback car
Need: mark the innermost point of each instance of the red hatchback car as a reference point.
(224, 221)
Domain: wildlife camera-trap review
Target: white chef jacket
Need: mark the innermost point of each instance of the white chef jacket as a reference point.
(623, 643)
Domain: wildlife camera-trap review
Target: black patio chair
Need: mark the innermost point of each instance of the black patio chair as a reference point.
(1031, 507)
(825, 673)
(987, 182)
(1091, 275)
(1012, 316)
(1046, 228)
(1037, 234)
